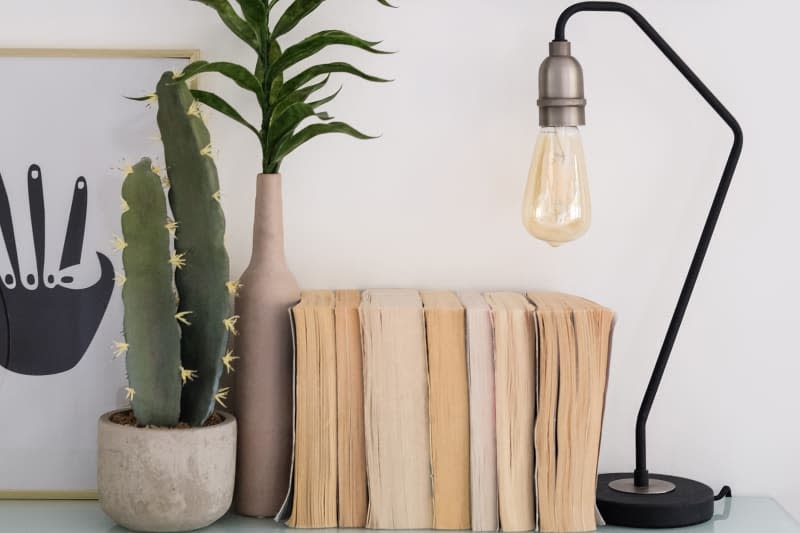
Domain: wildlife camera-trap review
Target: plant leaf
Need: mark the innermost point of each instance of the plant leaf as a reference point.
(297, 11)
(272, 89)
(316, 42)
(327, 68)
(325, 100)
(255, 13)
(234, 22)
(273, 148)
(300, 95)
(237, 73)
(276, 82)
(289, 118)
(218, 104)
(260, 69)
(315, 130)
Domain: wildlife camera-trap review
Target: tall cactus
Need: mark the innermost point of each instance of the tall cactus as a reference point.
(152, 335)
(203, 283)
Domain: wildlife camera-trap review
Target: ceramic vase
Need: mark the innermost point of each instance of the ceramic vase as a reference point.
(263, 380)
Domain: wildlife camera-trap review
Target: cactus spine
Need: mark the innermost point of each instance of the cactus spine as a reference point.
(152, 335)
(202, 283)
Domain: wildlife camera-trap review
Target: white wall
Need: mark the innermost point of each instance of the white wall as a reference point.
(436, 200)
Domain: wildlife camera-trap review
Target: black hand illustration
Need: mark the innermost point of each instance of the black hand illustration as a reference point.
(47, 328)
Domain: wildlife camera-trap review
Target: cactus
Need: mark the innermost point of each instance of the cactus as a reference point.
(152, 336)
(175, 342)
(199, 227)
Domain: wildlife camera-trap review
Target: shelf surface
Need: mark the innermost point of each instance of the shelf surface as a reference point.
(732, 515)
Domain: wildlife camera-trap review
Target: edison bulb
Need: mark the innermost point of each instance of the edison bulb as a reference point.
(557, 207)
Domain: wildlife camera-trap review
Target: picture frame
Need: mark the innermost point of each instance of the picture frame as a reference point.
(64, 117)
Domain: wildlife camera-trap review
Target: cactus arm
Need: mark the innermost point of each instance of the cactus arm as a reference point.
(152, 337)
(199, 240)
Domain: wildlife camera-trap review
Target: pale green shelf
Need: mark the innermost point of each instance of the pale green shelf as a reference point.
(736, 515)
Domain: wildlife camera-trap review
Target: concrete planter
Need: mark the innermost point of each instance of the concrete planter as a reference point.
(166, 479)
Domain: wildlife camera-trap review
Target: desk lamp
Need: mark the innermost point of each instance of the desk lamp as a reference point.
(557, 210)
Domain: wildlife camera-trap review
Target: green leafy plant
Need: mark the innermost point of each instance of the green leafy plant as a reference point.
(284, 103)
(176, 298)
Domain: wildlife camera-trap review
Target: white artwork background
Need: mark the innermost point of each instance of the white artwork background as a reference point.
(68, 116)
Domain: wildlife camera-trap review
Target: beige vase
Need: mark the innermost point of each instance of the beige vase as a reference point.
(263, 380)
(154, 479)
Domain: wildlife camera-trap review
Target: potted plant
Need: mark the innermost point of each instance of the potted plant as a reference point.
(263, 402)
(168, 463)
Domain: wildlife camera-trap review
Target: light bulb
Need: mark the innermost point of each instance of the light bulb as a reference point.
(557, 208)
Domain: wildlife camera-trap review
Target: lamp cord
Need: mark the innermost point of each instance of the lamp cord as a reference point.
(641, 477)
(724, 492)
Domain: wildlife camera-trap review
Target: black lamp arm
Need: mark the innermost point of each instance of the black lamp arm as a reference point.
(641, 477)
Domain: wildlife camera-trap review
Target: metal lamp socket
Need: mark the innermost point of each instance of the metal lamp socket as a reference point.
(561, 101)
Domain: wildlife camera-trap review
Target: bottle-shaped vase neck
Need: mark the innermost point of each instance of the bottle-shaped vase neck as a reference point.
(268, 221)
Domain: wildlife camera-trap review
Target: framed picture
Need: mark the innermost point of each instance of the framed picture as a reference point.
(66, 135)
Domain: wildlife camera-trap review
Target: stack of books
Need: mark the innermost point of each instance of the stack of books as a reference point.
(444, 410)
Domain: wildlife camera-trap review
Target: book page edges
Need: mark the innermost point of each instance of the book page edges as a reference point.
(286, 508)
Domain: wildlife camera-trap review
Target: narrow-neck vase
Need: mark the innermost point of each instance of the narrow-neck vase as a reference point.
(263, 379)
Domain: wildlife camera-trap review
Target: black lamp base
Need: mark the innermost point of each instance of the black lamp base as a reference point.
(689, 503)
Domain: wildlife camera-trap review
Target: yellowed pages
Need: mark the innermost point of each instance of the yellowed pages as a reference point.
(514, 338)
(569, 443)
(483, 448)
(593, 327)
(396, 410)
(448, 406)
(574, 338)
(545, 430)
(315, 453)
(350, 412)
